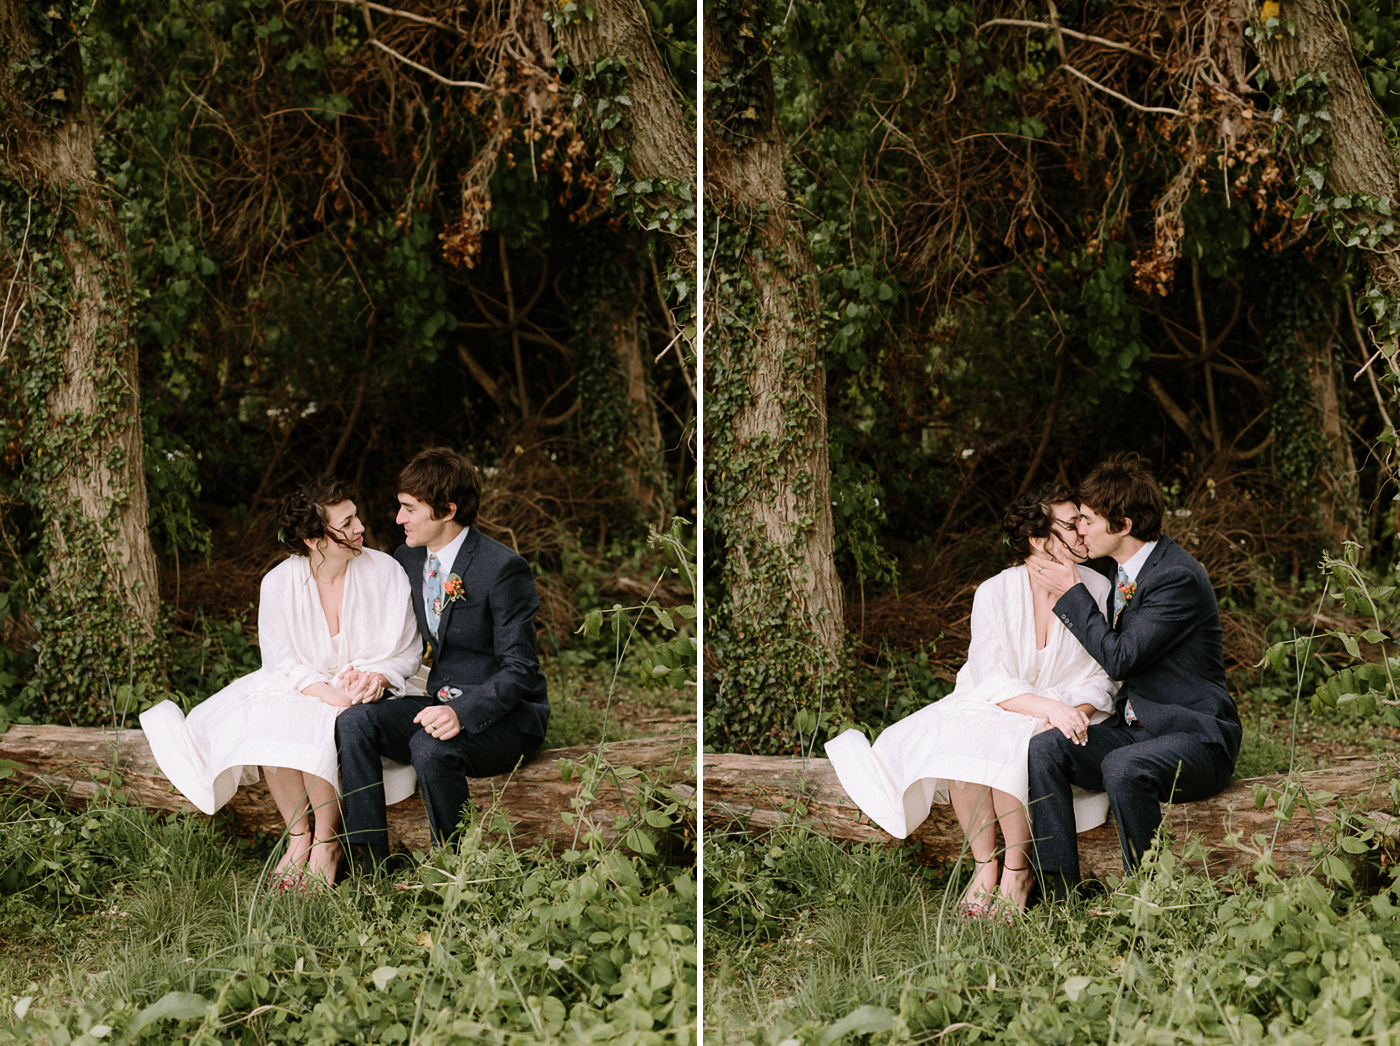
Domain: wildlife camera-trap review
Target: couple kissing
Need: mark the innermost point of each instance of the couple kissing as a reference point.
(1083, 692)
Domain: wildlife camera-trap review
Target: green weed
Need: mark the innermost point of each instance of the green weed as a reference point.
(808, 943)
(476, 944)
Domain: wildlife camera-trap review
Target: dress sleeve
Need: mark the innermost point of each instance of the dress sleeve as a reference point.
(992, 669)
(283, 648)
(1083, 682)
(392, 610)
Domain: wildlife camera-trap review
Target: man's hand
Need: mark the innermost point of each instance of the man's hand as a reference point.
(1050, 575)
(439, 721)
(1071, 722)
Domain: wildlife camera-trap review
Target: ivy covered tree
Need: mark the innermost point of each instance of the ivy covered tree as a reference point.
(68, 370)
(778, 630)
(346, 231)
(1039, 234)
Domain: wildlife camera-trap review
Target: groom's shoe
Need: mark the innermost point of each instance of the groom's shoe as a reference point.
(1056, 885)
(362, 860)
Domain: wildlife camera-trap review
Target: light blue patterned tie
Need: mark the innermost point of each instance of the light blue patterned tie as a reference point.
(432, 593)
(1120, 600)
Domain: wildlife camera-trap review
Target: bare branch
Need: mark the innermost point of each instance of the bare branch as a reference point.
(1122, 97)
(1027, 24)
(424, 69)
(395, 12)
(7, 334)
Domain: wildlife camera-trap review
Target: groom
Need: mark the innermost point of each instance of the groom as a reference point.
(1175, 733)
(486, 710)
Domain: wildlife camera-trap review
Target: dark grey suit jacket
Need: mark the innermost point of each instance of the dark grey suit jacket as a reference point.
(1166, 649)
(486, 640)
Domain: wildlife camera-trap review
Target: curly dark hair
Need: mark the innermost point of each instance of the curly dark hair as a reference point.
(301, 515)
(439, 477)
(1032, 515)
(1122, 489)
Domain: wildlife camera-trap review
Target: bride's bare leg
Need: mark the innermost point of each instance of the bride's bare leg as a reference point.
(1015, 884)
(977, 815)
(289, 793)
(325, 804)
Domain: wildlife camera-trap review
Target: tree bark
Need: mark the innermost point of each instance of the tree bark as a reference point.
(75, 376)
(106, 490)
(755, 795)
(769, 492)
(644, 453)
(659, 139)
(1356, 154)
(75, 765)
(1339, 500)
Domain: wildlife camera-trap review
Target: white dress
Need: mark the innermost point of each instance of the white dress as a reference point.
(968, 736)
(264, 719)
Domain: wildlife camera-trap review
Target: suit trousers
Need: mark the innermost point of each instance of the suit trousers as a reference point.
(1137, 770)
(365, 732)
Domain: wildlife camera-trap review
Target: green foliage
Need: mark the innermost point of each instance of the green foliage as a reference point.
(671, 662)
(1368, 608)
(899, 684)
(476, 944)
(809, 943)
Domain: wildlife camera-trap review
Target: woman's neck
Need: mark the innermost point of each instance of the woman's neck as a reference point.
(328, 570)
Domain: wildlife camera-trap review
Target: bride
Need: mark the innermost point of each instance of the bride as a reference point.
(1024, 673)
(336, 628)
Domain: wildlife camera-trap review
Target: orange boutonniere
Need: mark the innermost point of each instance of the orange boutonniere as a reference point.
(1125, 592)
(452, 591)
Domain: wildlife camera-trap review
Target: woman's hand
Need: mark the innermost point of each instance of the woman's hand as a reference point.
(1071, 722)
(363, 687)
(329, 695)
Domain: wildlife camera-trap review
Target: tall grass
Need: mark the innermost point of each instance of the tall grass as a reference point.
(810, 943)
(475, 944)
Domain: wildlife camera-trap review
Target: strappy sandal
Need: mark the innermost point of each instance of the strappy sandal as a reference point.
(968, 909)
(1006, 911)
(287, 877)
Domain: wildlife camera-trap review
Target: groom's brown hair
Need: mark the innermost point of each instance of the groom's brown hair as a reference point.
(440, 477)
(1123, 489)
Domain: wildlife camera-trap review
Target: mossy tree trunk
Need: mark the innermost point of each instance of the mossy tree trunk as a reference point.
(1310, 54)
(72, 375)
(650, 146)
(768, 496)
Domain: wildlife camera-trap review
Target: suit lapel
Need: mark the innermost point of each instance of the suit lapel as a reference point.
(459, 568)
(1154, 560)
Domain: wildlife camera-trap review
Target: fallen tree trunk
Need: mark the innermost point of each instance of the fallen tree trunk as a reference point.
(76, 764)
(756, 794)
